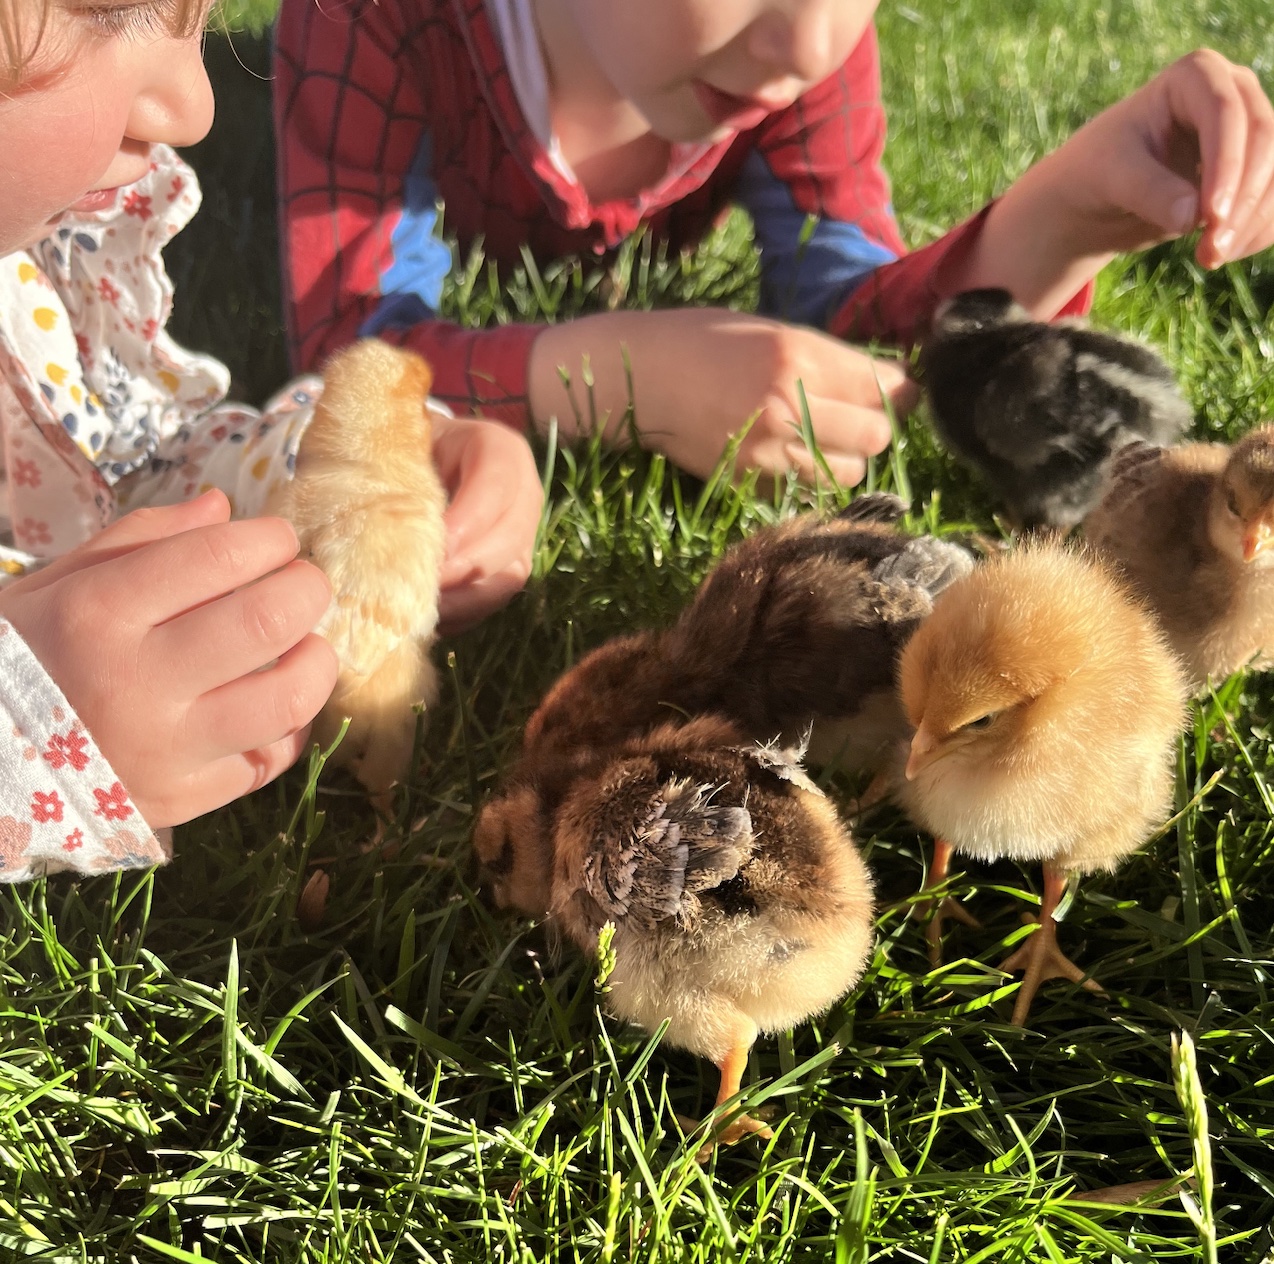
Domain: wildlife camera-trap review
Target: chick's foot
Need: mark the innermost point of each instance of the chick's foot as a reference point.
(1040, 956)
(946, 907)
(732, 1067)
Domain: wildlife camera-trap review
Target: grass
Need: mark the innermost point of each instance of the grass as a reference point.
(188, 1074)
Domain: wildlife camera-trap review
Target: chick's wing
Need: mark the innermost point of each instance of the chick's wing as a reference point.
(644, 848)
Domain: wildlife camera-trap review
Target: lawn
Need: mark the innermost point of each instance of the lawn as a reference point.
(189, 1074)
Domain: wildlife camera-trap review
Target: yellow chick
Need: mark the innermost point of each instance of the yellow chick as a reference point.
(739, 901)
(1046, 708)
(367, 505)
(1193, 530)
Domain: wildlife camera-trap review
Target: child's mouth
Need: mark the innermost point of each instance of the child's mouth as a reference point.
(727, 110)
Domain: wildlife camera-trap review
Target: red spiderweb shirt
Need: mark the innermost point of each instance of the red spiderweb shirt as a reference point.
(396, 117)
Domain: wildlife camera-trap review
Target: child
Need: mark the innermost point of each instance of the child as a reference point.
(560, 126)
(136, 685)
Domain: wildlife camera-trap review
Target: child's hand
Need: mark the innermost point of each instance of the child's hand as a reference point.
(159, 631)
(1195, 146)
(495, 500)
(699, 374)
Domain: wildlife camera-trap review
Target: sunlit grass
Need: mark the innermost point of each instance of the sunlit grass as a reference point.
(187, 1074)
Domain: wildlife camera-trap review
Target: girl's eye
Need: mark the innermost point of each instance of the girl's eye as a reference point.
(131, 19)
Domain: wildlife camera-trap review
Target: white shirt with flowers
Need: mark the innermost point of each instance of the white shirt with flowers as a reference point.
(101, 412)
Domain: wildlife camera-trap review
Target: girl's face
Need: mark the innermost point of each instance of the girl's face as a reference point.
(107, 81)
(698, 69)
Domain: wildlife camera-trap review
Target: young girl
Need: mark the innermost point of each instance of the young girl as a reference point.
(560, 126)
(163, 664)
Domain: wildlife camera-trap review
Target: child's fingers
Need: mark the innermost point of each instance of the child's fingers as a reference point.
(846, 470)
(1241, 232)
(226, 639)
(142, 526)
(226, 780)
(165, 578)
(1207, 98)
(461, 607)
(263, 708)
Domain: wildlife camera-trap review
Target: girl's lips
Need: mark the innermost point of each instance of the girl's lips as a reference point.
(727, 110)
(97, 200)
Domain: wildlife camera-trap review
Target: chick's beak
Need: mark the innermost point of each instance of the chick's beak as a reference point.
(924, 748)
(1258, 537)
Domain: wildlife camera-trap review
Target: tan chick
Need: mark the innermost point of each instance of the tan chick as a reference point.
(1193, 530)
(739, 902)
(367, 505)
(1046, 708)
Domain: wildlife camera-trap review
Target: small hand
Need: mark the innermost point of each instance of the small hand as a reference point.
(1193, 147)
(699, 375)
(183, 641)
(492, 518)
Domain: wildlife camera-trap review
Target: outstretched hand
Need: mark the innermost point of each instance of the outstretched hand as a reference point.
(493, 514)
(184, 643)
(1192, 148)
(700, 374)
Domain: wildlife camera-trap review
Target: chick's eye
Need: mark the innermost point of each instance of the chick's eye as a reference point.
(982, 722)
(1232, 502)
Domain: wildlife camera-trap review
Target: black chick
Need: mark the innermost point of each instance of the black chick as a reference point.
(739, 902)
(1039, 409)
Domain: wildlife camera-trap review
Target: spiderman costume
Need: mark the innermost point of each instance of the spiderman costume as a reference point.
(386, 109)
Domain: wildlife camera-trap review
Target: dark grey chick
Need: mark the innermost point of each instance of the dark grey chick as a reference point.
(1039, 409)
(739, 901)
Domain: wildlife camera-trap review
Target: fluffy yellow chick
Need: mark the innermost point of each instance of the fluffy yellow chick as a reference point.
(1046, 707)
(1193, 529)
(367, 505)
(739, 902)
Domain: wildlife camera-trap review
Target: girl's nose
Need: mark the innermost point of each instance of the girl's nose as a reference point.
(176, 106)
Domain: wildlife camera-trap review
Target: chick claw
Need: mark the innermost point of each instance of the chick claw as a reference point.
(948, 906)
(734, 1131)
(1042, 960)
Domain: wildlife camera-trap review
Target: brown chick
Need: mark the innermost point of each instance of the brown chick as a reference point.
(800, 623)
(1046, 708)
(367, 505)
(739, 902)
(1193, 529)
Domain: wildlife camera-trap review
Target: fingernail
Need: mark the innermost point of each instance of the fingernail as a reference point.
(1223, 241)
(1184, 213)
(1224, 205)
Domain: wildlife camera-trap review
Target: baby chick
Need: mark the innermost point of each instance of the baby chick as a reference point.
(367, 505)
(1193, 529)
(1038, 409)
(799, 623)
(1046, 707)
(739, 902)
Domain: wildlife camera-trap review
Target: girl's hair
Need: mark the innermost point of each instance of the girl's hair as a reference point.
(23, 25)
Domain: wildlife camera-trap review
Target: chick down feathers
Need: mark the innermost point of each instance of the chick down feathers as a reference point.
(367, 506)
(1037, 408)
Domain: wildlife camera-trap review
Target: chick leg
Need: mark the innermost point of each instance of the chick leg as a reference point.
(732, 1067)
(1040, 956)
(939, 870)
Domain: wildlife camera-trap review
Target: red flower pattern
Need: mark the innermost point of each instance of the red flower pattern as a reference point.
(74, 840)
(46, 807)
(138, 204)
(32, 531)
(26, 474)
(113, 803)
(69, 749)
(107, 290)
